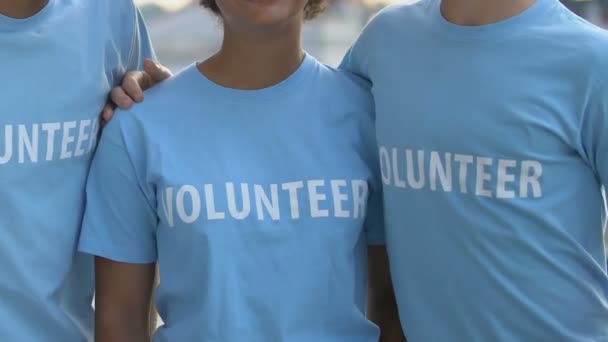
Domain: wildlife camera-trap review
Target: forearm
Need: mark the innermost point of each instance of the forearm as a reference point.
(152, 319)
(382, 305)
(384, 313)
(122, 301)
(382, 310)
(119, 327)
(153, 316)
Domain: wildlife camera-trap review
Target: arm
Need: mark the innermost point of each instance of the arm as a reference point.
(140, 62)
(122, 301)
(382, 307)
(153, 313)
(357, 59)
(134, 84)
(381, 302)
(120, 225)
(594, 130)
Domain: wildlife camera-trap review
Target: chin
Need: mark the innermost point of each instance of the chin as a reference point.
(269, 21)
(262, 14)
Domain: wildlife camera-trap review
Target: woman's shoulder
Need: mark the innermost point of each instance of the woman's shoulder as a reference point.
(163, 106)
(166, 98)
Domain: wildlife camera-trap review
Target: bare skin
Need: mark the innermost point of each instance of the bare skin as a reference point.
(381, 303)
(482, 12)
(21, 9)
(270, 60)
(122, 312)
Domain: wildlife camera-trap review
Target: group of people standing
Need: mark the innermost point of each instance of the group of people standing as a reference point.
(444, 183)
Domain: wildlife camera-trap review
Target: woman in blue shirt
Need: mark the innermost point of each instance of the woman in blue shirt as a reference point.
(252, 179)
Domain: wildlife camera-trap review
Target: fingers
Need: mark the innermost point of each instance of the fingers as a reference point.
(156, 71)
(120, 98)
(107, 114)
(134, 84)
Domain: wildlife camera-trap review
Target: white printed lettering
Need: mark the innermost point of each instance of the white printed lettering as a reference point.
(444, 171)
(315, 197)
(8, 144)
(262, 201)
(212, 214)
(67, 139)
(28, 143)
(531, 171)
(411, 177)
(505, 177)
(167, 202)
(195, 200)
(339, 198)
(385, 166)
(50, 128)
(294, 204)
(482, 177)
(400, 183)
(360, 192)
(82, 137)
(231, 196)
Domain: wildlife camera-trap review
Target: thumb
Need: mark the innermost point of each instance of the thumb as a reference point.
(156, 71)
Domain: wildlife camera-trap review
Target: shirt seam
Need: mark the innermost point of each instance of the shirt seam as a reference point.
(134, 169)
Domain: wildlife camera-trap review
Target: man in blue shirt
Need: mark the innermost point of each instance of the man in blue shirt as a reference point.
(492, 121)
(58, 61)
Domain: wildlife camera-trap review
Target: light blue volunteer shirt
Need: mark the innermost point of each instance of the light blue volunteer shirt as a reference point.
(253, 202)
(56, 69)
(493, 143)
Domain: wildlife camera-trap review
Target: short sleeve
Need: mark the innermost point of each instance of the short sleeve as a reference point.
(355, 60)
(594, 132)
(120, 220)
(141, 45)
(358, 59)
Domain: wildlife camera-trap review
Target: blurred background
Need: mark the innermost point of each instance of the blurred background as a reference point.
(183, 32)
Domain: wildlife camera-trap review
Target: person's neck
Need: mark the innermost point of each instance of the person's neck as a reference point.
(21, 9)
(255, 60)
(482, 12)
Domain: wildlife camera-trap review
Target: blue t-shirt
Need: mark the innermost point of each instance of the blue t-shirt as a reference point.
(258, 205)
(56, 69)
(493, 143)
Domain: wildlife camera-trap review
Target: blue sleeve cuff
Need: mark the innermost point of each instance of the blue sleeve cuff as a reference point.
(125, 255)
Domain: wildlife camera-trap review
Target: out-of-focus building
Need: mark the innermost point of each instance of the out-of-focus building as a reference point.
(595, 11)
(188, 33)
(183, 32)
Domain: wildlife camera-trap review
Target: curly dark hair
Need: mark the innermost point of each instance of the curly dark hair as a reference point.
(312, 9)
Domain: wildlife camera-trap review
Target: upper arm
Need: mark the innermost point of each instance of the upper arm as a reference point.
(355, 60)
(130, 35)
(120, 217)
(119, 228)
(141, 45)
(594, 131)
(358, 58)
